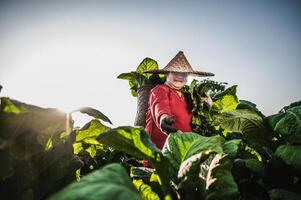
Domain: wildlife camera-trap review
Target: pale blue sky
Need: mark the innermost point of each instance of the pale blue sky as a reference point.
(67, 54)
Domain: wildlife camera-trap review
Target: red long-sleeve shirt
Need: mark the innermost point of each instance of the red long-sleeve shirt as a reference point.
(165, 100)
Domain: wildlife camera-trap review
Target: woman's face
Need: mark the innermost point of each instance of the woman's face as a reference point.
(178, 79)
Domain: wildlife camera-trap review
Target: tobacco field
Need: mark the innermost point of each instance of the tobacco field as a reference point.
(233, 152)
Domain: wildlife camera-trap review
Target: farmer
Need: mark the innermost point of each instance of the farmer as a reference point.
(168, 109)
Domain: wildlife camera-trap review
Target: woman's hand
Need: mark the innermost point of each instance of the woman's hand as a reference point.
(166, 124)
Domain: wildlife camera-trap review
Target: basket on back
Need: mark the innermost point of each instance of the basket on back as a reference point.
(143, 94)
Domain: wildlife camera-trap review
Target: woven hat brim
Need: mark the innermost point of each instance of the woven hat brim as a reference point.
(192, 73)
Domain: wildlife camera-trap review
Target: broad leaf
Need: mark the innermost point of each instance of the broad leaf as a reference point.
(7, 106)
(34, 123)
(294, 104)
(232, 147)
(135, 77)
(110, 182)
(91, 130)
(147, 64)
(180, 147)
(288, 124)
(220, 183)
(136, 142)
(136, 80)
(193, 172)
(94, 113)
(133, 141)
(227, 102)
(231, 91)
(247, 122)
(290, 154)
(243, 104)
(241, 121)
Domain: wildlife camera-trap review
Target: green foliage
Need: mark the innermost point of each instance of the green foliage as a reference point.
(244, 104)
(294, 104)
(233, 152)
(110, 182)
(232, 147)
(136, 142)
(8, 107)
(291, 154)
(94, 113)
(91, 152)
(247, 122)
(180, 146)
(147, 64)
(203, 114)
(138, 78)
(288, 125)
(32, 148)
(220, 183)
(133, 141)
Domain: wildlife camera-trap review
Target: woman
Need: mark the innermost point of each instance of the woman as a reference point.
(168, 109)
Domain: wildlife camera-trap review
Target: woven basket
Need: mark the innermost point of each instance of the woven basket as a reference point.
(143, 94)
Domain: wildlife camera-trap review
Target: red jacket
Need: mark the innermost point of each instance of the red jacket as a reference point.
(165, 100)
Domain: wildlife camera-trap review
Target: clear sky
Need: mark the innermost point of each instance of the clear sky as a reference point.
(67, 54)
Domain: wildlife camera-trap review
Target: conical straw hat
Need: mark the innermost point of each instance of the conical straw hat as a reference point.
(179, 64)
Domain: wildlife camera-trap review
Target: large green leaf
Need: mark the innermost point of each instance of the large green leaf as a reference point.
(291, 154)
(86, 138)
(244, 104)
(193, 172)
(34, 123)
(94, 113)
(288, 124)
(90, 130)
(241, 121)
(147, 64)
(247, 122)
(136, 80)
(220, 183)
(294, 104)
(24, 137)
(110, 182)
(180, 147)
(136, 142)
(7, 106)
(232, 147)
(227, 102)
(231, 91)
(209, 175)
(133, 141)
